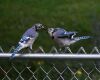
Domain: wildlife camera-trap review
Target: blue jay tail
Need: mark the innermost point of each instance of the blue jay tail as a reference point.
(83, 37)
(12, 56)
(18, 48)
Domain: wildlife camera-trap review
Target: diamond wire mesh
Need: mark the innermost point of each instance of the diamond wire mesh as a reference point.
(51, 70)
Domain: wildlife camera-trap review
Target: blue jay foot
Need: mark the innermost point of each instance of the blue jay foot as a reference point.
(60, 51)
(30, 50)
(63, 50)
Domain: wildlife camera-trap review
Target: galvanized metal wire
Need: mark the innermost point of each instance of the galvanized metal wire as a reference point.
(53, 65)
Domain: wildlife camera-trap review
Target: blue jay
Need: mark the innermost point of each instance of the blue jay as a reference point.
(64, 38)
(28, 38)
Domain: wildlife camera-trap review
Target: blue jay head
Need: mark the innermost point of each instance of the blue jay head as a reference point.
(50, 31)
(38, 26)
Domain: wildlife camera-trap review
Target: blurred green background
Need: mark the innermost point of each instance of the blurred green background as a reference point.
(16, 16)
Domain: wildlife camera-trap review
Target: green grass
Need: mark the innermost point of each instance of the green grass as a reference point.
(18, 15)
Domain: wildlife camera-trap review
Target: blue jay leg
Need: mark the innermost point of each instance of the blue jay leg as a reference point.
(61, 50)
(30, 49)
(66, 50)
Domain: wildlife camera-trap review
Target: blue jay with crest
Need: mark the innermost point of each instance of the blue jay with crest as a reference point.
(64, 38)
(28, 38)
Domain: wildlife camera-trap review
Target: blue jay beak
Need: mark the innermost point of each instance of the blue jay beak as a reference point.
(39, 26)
(43, 27)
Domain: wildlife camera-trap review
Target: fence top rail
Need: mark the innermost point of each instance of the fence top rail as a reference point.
(51, 56)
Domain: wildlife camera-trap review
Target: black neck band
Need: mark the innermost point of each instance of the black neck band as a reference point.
(54, 31)
(36, 28)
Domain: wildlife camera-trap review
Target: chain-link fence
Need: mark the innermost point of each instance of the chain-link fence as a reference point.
(54, 65)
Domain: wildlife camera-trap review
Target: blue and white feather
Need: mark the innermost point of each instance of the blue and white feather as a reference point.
(64, 38)
(28, 38)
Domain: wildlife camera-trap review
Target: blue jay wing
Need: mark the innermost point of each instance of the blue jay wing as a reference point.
(66, 34)
(24, 39)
